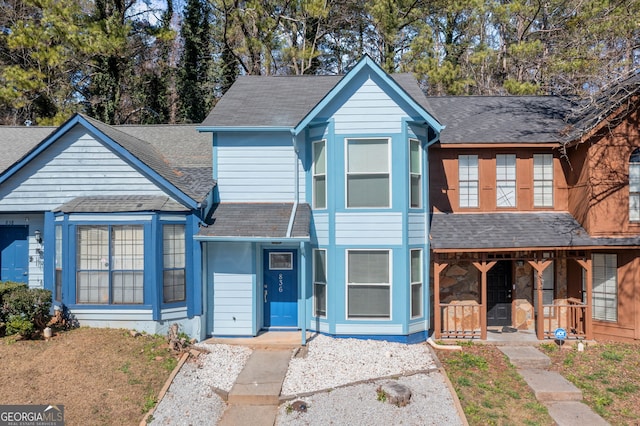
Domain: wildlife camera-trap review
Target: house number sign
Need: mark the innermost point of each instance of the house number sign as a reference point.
(280, 284)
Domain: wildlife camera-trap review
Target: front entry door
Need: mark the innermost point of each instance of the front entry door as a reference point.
(499, 294)
(14, 254)
(280, 288)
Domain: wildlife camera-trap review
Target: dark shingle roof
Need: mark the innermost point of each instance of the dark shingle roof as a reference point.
(178, 153)
(17, 141)
(120, 204)
(257, 220)
(507, 230)
(500, 119)
(283, 101)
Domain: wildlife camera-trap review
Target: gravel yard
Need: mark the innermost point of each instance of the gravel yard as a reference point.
(337, 379)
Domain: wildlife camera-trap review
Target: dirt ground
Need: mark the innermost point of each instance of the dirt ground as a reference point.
(101, 376)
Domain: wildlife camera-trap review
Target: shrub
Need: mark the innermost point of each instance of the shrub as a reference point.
(28, 304)
(6, 288)
(19, 325)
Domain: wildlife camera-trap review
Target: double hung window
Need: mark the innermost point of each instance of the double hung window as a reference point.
(368, 178)
(368, 284)
(468, 180)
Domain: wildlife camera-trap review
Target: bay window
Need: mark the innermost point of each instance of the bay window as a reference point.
(415, 174)
(174, 261)
(368, 284)
(368, 178)
(320, 283)
(319, 175)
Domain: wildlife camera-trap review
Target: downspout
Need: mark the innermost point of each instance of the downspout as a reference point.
(294, 209)
(296, 195)
(427, 227)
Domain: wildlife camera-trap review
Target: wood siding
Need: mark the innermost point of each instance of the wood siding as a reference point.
(599, 180)
(76, 165)
(257, 168)
(444, 184)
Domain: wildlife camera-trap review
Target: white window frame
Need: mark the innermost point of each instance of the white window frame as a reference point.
(356, 284)
(466, 178)
(348, 173)
(506, 195)
(415, 204)
(634, 186)
(316, 282)
(318, 176)
(416, 283)
(604, 292)
(543, 180)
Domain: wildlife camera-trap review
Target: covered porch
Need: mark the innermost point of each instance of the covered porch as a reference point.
(510, 273)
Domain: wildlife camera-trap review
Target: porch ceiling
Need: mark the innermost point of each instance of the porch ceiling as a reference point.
(507, 230)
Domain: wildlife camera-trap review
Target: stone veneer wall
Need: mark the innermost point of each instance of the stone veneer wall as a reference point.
(460, 285)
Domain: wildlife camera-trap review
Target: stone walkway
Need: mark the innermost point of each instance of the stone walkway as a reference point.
(562, 399)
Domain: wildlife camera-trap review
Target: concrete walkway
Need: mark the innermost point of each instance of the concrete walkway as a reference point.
(562, 399)
(254, 398)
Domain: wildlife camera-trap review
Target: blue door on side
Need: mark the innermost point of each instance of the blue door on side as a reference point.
(280, 288)
(14, 254)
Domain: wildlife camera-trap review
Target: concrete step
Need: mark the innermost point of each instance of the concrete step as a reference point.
(550, 386)
(260, 381)
(526, 357)
(249, 415)
(571, 413)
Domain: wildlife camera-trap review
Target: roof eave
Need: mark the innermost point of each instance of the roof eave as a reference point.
(218, 129)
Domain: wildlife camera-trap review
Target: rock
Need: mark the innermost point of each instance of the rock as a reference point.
(300, 406)
(395, 393)
(134, 333)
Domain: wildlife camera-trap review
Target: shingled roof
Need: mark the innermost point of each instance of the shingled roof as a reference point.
(178, 153)
(480, 231)
(501, 119)
(120, 204)
(257, 220)
(284, 101)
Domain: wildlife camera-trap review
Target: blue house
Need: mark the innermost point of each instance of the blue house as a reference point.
(320, 216)
(104, 217)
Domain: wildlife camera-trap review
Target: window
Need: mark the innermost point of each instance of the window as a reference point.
(368, 179)
(173, 263)
(505, 180)
(415, 174)
(416, 283)
(319, 175)
(605, 287)
(110, 264)
(368, 284)
(542, 180)
(281, 261)
(548, 289)
(468, 176)
(634, 186)
(58, 260)
(320, 282)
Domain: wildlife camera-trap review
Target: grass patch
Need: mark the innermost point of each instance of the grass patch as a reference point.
(489, 388)
(608, 374)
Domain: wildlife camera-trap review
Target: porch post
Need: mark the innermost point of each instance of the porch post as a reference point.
(587, 264)
(483, 267)
(437, 314)
(539, 266)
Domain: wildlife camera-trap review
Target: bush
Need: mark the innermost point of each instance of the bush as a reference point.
(27, 304)
(6, 288)
(19, 325)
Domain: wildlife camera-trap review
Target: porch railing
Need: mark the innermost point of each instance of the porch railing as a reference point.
(570, 315)
(460, 321)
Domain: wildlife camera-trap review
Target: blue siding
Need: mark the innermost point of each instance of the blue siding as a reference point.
(258, 168)
(321, 228)
(368, 228)
(416, 228)
(76, 165)
(233, 273)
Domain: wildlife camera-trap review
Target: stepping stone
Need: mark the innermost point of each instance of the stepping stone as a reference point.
(550, 386)
(254, 415)
(526, 357)
(571, 413)
(396, 393)
(260, 381)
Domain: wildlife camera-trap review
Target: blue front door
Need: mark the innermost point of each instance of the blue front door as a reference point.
(280, 288)
(14, 254)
